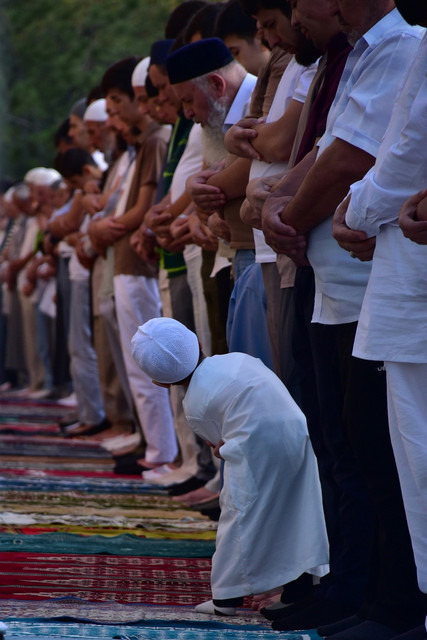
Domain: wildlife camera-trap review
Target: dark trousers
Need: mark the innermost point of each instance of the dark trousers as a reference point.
(371, 553)
(61, 361)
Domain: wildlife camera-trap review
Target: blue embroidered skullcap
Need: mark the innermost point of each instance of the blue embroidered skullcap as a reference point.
(160, 50)
(196, 59)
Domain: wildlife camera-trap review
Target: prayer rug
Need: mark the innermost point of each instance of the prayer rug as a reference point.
(105, 525)
(32, 411)
(28, 428)
(23, 445)
(125, 544)
(99, 578)
(91, 513)
(39, 481)
(114, 612)
(34, 630)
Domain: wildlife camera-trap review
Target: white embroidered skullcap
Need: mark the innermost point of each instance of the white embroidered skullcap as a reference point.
(41, 176)
(165, 350)
(96, 111)
(140, 73)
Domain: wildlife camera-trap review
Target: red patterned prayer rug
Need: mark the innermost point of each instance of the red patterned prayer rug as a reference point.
(99, 578)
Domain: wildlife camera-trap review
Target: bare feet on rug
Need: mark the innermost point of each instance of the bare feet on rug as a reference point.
(262, 600)
(198, 496)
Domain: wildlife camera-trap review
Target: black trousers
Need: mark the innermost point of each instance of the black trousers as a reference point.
(345, 403)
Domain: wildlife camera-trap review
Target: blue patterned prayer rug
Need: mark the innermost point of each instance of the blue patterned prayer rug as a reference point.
(34, 630)
(122, 545)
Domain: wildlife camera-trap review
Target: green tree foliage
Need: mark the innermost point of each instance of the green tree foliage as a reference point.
(53, 52)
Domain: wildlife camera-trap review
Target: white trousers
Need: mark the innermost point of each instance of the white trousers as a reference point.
(137, 300)
(407, 408)
(195, 282)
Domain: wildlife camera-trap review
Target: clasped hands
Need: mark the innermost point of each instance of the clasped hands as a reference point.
(281, 237)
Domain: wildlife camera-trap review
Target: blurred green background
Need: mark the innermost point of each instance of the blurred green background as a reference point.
(52, 53)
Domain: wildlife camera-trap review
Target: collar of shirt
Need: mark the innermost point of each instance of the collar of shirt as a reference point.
(240, 105)
(392, 20)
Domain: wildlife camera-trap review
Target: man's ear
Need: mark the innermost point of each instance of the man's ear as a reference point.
(218, 84)
(92, 171)
(87, 170)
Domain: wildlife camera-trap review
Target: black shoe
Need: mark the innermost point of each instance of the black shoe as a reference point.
(326, 630)
(68, 420)
(291, 609)
(185, 487)
(320, 612)
(88, 430)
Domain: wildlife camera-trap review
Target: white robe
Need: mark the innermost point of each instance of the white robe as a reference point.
(271, 528)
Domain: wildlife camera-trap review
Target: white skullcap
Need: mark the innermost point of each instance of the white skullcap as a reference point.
(96, 111)
(41, 176)
(165, 350)
(53, 175)
(140, 73)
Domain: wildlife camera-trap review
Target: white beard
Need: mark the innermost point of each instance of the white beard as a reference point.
(213, 135)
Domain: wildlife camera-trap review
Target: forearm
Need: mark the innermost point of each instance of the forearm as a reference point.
(133, 217)
(234, 179)
(291, 181)
(180, 205)
(17, 265)
(325, 185)
(70, 221)
(275, 139)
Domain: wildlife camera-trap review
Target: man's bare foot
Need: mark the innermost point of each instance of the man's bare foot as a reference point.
(198, 496)
(267, 599)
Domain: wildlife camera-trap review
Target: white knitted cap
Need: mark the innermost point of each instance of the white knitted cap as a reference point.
(165, 350)
(96, 111)
(140, 73)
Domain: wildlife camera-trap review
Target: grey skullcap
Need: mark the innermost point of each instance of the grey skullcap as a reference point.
(165, 350)
(21, 191)
(78, 109)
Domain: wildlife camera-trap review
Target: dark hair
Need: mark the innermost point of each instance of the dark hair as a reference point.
(181, 16)
(234, 21)
(119, 76)
(71, 162)
(61, 134)
(414, 11)
(203, 21)
(95, 94)
(152, 91)
(251, 7)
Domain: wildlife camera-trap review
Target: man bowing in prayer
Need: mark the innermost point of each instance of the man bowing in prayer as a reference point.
(271, 528)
